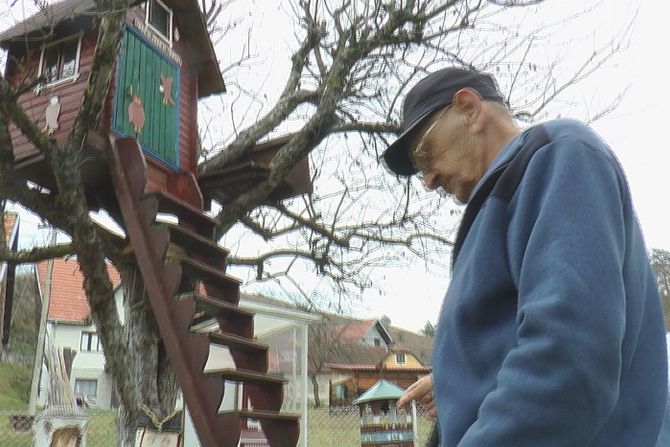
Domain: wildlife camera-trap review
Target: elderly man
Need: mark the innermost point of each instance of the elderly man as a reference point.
(551, 331)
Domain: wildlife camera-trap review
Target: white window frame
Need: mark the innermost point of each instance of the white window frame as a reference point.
(167, 39)
(341, 390)
(72, 78)
(398, 355)
(82, 379)
(89, 338)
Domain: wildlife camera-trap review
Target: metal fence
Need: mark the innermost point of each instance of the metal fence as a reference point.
(326, 427)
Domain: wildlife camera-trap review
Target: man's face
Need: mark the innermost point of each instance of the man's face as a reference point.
(448, 154)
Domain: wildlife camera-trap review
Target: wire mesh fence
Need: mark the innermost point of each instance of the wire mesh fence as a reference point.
(326, 427)
(341, 427)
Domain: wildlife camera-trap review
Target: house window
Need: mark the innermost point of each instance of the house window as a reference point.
(400, 357)
(159, 17)
(86, 387)
(341, 391)
(89, 342)
(59, 61)
(378, 342)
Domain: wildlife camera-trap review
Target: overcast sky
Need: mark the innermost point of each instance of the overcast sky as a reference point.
(636, 131)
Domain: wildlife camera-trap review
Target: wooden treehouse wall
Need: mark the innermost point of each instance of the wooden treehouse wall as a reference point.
(23, 67)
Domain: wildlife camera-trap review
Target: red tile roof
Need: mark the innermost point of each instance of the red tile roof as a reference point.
(351, 367)
(353, 331)
(358, 367)
(68, 300)
(10, 220)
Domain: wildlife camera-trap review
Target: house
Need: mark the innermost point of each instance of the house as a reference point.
(10, 230)
(348, 356)
(350, 380)
(69, 325)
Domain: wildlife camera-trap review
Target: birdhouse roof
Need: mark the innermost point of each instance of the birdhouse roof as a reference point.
(39, 27)
(382, 390)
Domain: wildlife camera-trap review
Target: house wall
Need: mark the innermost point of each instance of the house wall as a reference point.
(323, 379)
(86, 365)
(370, 335)
(358, 382)
(22, 67)
(410, 361)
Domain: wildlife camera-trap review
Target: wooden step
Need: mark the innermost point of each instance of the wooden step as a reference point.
(238, 343)
(264, 414)
(230, 318)
(215, 307)
(280, 429)
(243, 376)
(247, 353)
(195, 269)
(194, 243)
(188, 215)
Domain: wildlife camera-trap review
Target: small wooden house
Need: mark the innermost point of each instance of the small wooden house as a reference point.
(349, 381)
(165, 65)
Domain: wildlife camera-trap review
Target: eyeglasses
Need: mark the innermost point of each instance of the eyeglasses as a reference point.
(421, 157)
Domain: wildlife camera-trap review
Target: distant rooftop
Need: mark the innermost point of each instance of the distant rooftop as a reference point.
(68, 302)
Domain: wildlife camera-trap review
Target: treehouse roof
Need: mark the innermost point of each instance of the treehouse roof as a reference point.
(76, 13)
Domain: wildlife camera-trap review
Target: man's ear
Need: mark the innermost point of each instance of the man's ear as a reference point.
(469, 103)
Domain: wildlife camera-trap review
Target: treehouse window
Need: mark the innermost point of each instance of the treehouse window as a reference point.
(59, 60)
(159, 17)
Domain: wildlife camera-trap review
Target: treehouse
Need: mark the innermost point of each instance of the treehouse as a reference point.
(166, 64)
(139, 160)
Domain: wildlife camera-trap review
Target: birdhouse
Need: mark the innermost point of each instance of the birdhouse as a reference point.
(166, 63)
(382, 423)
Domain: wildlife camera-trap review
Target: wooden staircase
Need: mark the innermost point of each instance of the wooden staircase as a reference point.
(183, 270)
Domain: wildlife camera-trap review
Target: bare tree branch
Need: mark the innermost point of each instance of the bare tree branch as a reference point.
(36, 254)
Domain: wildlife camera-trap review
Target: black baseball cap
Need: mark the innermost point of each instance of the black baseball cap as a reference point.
(432, 93)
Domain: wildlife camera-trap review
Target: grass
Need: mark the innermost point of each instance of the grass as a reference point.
(14, 386)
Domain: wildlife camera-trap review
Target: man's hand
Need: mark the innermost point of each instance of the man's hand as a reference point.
(421, 390)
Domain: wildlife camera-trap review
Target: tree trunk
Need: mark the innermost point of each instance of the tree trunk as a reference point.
(315, 387)
(156, 386)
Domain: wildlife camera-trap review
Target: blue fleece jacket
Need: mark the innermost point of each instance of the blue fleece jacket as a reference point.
(551, 332)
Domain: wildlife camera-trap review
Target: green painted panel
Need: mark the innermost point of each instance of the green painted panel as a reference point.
(142, 106)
